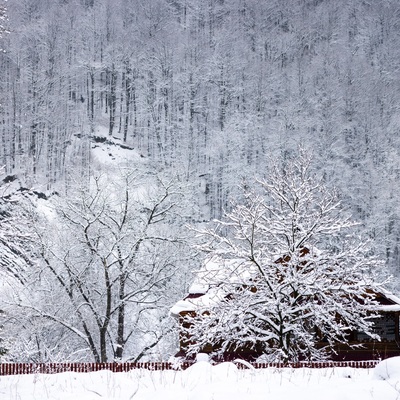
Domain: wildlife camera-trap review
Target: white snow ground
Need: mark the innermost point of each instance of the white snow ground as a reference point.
(205, 382)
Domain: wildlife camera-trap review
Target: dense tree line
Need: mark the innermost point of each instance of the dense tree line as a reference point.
(213, 86)
(210, 86)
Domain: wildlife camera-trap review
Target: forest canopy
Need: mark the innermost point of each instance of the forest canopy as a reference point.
(205, 92)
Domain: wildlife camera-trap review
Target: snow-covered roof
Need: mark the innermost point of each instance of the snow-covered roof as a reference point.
(395, 306)
(388, 308)
(208, 286)
(217, 270)
(391, 297)
(212, 297)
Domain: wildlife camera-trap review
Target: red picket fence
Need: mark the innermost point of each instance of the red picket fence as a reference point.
(53, 368)
(319, 364)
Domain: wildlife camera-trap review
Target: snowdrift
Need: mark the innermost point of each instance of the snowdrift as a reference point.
(203, 381)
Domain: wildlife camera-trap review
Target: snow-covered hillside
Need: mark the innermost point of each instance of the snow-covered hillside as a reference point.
(210, 87)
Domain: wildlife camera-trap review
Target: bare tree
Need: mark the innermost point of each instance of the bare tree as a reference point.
(108, 267)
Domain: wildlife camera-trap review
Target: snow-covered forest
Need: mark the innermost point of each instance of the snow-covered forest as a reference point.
(124, 121)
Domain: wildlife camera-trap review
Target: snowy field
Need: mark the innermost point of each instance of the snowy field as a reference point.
(205, 382)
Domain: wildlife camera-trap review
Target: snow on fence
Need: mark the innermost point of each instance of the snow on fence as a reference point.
(52, 368)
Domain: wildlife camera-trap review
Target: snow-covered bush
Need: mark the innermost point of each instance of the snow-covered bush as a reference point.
(388, 369)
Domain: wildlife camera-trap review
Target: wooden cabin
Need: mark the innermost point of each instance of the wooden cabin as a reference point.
(361, 346)
(386, 325)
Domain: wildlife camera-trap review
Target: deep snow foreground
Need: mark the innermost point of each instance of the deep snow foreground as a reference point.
(205, 382)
